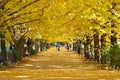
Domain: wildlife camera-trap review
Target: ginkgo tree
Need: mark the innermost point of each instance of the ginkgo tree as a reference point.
(16, 16)
(60, 20)
(100, 18)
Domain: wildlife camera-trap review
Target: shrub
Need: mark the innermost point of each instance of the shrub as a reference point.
(115, 55)
(105, 55)
(16, 56)
(33, 52)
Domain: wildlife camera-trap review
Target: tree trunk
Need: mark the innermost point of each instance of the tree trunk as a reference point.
(3, 49)
(22, 48)
(19, 48)
(103, 47)
(37, 45)
(29, 45)
(41, 45)
(96, 47)
(113, 40)
(78, 46)
(113, 43)
(103, 42)
(87, 47)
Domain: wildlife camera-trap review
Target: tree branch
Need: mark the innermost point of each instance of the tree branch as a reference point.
(28, 13)
(3, 3)
(26, 22)
(23, 7)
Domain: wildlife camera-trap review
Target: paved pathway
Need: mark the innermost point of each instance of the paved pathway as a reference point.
(58, 65)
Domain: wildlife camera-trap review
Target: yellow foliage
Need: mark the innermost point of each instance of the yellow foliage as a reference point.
(60, 20)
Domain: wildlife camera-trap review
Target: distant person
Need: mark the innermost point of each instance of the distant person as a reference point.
(78, 48)
(58, 46)
(67, 47)
(70, 46)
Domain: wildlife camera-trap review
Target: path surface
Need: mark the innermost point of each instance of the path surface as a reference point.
(58, 65)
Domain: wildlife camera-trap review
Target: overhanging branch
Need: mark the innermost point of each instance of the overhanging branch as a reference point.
(26, 22)
(23, 7)
(3, 3)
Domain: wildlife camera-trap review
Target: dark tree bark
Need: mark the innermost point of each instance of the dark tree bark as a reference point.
(113, 37)
(113, 44)
(88, 47)
(29, 45)
(103, 42)
(85, 49)
(78, 46)
(103, 47)
(96, 46)
(37, 45)
(41, 45)
(3, 49)
(22, 47)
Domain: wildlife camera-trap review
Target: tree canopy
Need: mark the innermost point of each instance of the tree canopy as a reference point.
(58, 20)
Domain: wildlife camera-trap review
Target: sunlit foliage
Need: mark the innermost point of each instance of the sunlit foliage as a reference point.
(58, 20)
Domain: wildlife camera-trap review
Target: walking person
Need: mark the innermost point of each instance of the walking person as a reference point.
(58, 46)
(67, 46)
